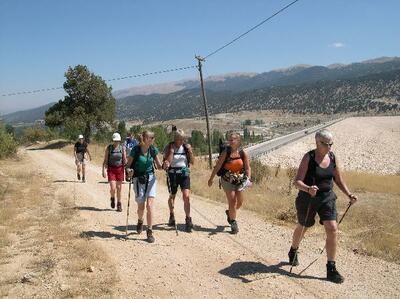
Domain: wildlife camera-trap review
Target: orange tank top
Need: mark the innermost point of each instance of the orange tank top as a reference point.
(234, 165)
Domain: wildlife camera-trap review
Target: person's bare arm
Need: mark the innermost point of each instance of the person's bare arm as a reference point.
(158, 163)
(217, 167)
(105, 162)
(342, 185)
(90, 156)
(300, 176)
(247, 167)
(76, 157)
(124, 160)
(191, 155)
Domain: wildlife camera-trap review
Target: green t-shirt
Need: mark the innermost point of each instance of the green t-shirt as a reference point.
(141, 167)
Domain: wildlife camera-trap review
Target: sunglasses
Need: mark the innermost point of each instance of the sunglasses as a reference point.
(326, 143)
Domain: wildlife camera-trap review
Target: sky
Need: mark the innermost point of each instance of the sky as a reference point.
(40, 39)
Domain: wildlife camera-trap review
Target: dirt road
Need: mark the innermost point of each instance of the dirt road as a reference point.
(210, 262)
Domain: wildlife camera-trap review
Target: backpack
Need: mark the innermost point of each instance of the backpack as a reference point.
(224, 147)
(168, 148)
(110, 147)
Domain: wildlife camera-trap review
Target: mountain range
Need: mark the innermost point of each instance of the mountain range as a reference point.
(369, 85)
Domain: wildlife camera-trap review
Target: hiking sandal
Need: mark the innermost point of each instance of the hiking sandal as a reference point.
(112, 200)
(119, 207)
(234, 227)
(171, 221)
(139, 227)
(188, 224)
(150, 237)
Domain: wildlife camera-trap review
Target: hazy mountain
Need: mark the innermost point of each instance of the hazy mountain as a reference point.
(170, 100)
(27, 116)
(376, 93)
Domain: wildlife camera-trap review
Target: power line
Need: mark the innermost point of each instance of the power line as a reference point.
(107, 80)
(251, 29)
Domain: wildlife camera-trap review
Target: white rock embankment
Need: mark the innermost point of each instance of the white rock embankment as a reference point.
(365, 144)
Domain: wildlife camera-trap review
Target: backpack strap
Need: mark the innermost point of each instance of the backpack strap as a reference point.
(333, 159)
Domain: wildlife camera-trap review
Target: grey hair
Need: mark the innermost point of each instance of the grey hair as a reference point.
(324, 134)
(179, 134)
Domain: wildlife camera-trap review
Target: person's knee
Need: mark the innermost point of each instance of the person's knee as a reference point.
(331, 228)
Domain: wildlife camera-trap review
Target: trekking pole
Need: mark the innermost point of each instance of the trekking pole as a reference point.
(301, 235)
(323, 249)
(127, 209)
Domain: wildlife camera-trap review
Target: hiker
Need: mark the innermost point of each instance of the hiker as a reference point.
(317, 171)
(178, 158)
(80, 151)
(130, 143)
(114, 162)
(141, 166)
(233, 167)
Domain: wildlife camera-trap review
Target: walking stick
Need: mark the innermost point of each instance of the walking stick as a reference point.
(301, 235)
(323, 249)
(127, 209)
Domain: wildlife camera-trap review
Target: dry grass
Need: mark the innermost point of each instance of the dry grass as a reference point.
(39, 239)
(372, 226)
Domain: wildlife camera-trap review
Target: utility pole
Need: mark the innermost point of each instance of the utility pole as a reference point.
(203, 93)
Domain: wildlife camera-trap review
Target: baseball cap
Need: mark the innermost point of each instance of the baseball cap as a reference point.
(116, 137)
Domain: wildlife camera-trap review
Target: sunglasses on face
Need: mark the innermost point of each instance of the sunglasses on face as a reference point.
(326, 143)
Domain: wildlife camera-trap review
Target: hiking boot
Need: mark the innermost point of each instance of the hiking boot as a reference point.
(227, 216)
(119, 207)
(293, 254)
(171, 221)
(112, 200)
(332, 274)
(150, 237)
(83, 179)
(139, 227)
(234, 227)
(78, 175)
(188, 225)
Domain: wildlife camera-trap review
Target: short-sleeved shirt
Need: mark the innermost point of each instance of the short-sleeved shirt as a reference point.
(80, 147)
(144, 163)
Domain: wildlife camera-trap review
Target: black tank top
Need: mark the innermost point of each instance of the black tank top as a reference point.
(321, 177)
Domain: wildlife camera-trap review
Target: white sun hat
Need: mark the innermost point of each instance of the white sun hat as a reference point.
(80, 136)
(116, 137)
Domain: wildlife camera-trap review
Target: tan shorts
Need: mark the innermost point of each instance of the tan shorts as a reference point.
(80, 159)
(231, 187)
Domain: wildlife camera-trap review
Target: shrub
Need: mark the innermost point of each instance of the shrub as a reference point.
(8, 145)
(259, 171)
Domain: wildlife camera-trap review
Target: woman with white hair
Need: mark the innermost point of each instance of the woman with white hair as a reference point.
(318, 169)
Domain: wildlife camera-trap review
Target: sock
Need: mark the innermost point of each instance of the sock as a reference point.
(293, 249)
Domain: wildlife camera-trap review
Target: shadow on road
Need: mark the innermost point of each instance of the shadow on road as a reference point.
(239, 270)
(92, 209)
(100, 234)
(55, 145)
(66, 181)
